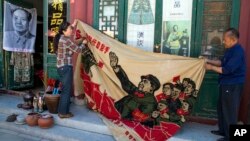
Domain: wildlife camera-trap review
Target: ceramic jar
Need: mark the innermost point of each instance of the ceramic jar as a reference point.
(32, 119)
(46, 121)
(52, 102)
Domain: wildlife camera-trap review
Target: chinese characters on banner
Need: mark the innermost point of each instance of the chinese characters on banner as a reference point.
(141, 22)
(57, 14)
(176, 27)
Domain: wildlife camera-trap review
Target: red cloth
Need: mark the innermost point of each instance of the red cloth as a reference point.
(182, 112)
(164, 111)
(139, 116)
(138, 94)
(176, 78)
(161, 96)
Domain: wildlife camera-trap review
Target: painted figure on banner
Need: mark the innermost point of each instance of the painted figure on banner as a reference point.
(175, 102)
(167, 89)
(140, 102)
(21, 34)
(161, 114)
(142, 105)
(141, 13)
(190, 90)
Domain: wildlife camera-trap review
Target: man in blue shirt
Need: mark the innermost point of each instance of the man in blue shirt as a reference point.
(232, 72)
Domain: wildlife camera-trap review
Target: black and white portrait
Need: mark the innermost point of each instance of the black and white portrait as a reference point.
(19, 28)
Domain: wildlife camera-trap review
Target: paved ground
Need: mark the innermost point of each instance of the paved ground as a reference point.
(192, 132)
(7, 135)
(85, 125)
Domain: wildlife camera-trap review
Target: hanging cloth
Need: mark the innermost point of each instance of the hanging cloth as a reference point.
(22, 62)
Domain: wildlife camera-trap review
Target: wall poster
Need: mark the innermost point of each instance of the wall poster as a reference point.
(19, 28)
(141, 23)
(176, 27)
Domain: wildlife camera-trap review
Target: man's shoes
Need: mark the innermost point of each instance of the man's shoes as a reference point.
(217, 132)
(69, 115)
(222, 139)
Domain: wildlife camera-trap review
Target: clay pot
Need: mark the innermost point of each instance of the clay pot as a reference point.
(52, 102)
(46, 121)
(32, 119)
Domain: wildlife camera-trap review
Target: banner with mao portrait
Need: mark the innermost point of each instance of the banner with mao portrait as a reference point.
(140, 95)
(19, 28)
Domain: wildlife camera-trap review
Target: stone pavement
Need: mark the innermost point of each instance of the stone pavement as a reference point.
(8, 135)
(85, 125)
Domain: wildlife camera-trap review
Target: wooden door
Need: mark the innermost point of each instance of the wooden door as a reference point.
(213, 18)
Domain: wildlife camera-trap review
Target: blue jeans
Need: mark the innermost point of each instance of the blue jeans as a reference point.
(228, 106)
(66, 77)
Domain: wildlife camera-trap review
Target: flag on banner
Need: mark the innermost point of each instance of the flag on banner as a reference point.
(141, 95)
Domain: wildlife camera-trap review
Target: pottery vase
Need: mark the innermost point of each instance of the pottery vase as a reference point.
(32, 119)
(46, 121)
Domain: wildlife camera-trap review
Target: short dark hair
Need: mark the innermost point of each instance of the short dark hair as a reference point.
(191, 82)
(155, 83)
(186, 79)
(63, 27)
(178, 86)
(29, 16)
(233, 32)
(168, 83)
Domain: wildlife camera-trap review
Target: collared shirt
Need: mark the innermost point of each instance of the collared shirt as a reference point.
(21, 40)
(66, 48)
(233, 66)
(12, 41)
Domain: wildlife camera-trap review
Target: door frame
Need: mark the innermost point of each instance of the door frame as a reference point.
(49, 60)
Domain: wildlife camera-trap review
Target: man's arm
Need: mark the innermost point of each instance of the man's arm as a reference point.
(127, 85)
(214, 68)
(214, 62)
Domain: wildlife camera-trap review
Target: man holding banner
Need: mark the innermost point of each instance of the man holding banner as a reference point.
(232, 72)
